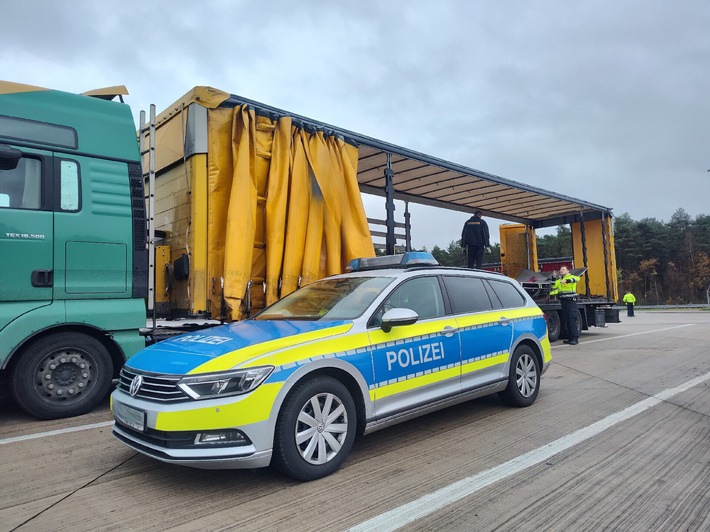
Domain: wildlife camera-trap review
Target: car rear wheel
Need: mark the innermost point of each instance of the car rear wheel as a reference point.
(315, 429)
(524, 380)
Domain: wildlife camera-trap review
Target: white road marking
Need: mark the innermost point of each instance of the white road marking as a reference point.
(625, 335)
(55, 432)
(407, 513)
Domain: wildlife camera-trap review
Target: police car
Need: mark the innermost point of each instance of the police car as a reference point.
(394, 338)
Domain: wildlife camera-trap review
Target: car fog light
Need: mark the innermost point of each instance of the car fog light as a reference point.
(231, 437)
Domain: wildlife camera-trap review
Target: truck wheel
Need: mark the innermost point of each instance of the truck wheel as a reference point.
(63, 375)
(315, 429)
(578, 320)
(554, 325)
(524, 378)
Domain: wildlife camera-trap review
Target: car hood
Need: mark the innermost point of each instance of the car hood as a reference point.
(237, 342)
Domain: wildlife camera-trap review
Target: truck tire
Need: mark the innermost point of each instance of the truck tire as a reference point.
(63, 375)
(524, 379)
(315, 429)
(580, 322)
(554, 325)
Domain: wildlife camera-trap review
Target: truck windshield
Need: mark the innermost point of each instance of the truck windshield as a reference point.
(329, 299)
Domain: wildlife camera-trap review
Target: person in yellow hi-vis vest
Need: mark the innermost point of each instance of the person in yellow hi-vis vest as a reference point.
(565, 288)
(630, 301)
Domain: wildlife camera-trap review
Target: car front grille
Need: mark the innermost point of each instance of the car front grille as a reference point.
(155, 387)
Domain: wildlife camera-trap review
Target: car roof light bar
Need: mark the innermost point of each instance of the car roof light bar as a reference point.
(406, 260)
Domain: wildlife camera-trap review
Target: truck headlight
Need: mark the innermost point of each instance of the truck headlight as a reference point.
(224, 383)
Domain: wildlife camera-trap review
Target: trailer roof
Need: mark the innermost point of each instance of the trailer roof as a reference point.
(428, 180)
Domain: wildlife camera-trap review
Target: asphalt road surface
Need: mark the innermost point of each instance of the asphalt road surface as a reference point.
(619, 439)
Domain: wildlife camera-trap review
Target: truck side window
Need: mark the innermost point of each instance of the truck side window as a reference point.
(21, 188)
(69, 186)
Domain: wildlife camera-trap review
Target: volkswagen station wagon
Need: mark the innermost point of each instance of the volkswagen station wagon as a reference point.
(391, 339)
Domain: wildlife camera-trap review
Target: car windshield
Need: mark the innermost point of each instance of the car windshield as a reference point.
(329, 299)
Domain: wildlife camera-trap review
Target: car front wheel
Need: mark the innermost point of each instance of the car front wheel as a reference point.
(315, 429)
(524, 379)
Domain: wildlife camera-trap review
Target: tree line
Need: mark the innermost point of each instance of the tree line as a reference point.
(660, 263)
(664, 263)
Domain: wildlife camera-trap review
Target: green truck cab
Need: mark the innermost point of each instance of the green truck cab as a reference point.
(73, 256)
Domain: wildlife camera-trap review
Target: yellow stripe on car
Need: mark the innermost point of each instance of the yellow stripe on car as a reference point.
(240, 410)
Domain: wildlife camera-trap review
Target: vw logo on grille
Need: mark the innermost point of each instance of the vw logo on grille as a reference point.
(136, 384)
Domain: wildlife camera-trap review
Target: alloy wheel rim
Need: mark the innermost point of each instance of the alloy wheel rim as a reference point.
(321, 428)
(526, 375)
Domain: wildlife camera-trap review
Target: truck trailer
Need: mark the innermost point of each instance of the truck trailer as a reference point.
(222, 206)
(593, 249)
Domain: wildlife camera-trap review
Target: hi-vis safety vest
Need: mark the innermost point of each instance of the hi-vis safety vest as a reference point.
(567, 286)
(629, 298)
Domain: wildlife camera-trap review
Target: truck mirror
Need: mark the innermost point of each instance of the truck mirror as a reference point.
(9, 157)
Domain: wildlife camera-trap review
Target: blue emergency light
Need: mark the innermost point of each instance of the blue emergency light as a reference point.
(406, 260)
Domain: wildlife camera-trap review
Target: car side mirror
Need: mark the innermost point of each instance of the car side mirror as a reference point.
(397, 317)
(9, 157)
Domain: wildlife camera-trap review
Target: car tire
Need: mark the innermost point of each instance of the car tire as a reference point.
(524, 379)
(554, 325)
(63, 375)
(315, 429)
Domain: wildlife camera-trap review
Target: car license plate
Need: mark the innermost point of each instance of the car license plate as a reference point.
(128, 416)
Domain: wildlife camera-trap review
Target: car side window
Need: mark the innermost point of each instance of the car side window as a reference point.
(467, 294)
(508, 295)
(421, 294)
(21, 187)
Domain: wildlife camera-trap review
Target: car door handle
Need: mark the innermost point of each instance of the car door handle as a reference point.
(503, 320)
(449, 331)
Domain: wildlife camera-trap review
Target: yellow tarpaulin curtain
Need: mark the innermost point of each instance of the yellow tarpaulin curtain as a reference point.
(299, 201)
(241, 212)
(277, 206)
(220, 168)
(294, 212)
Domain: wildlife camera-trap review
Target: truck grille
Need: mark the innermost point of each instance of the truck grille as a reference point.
(155, 387)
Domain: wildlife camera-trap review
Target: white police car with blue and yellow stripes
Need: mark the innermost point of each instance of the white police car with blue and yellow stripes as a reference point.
(395, 338)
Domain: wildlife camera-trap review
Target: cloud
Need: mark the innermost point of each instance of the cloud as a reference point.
(603, 101)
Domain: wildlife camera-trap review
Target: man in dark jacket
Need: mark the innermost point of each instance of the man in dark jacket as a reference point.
(474, 239)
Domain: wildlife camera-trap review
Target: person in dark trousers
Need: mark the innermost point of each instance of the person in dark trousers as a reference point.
(474, 239)
(630, 301)
(565, 288)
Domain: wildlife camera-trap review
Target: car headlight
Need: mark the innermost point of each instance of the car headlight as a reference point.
(224, 383)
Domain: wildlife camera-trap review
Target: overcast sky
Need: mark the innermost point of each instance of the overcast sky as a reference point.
(606, 101)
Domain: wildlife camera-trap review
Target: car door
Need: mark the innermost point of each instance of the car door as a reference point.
(419, 363)
(485, 330)
(26, 236)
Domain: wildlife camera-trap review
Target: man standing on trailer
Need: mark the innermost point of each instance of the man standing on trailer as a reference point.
(565, 288)
(474, 239)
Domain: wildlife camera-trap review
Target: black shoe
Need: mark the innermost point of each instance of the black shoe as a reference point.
(571, 342)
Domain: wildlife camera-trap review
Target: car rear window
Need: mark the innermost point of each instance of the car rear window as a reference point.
(467, 294)
(508, 295)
